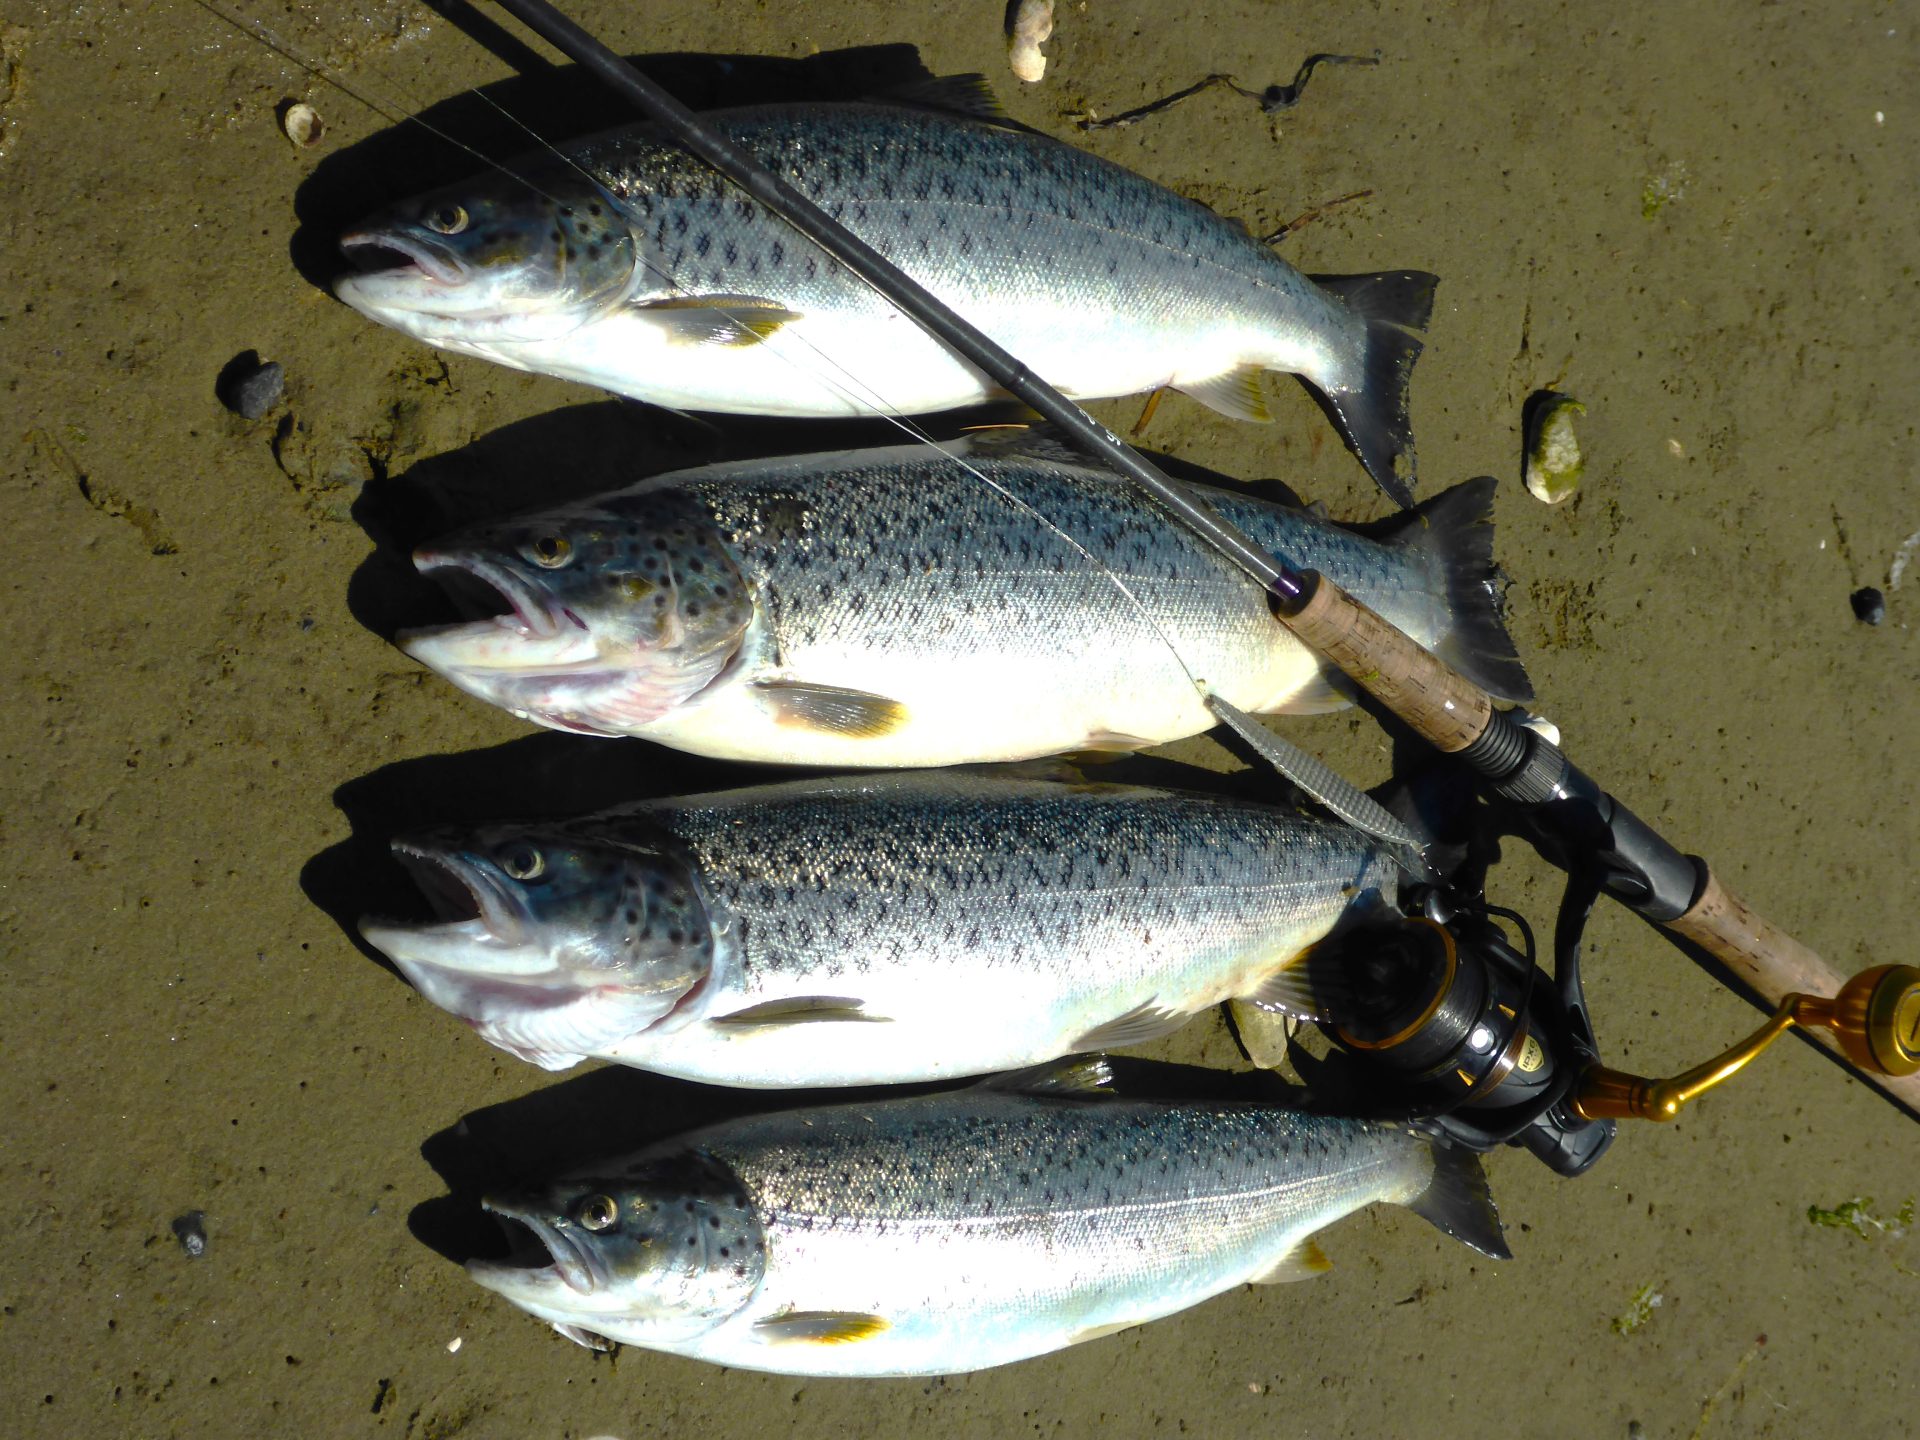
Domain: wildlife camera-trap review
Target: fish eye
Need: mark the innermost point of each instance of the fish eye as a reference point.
(523, 862)
(448, 219)
(552, 551)
(596, 1213)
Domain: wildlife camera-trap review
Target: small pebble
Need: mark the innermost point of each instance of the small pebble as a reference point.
(302, 124)
(1869, 605)
(249, 387)
(190, 1230)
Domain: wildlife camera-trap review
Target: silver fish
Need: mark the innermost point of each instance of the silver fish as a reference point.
(892, 607)
(623, 262)
(953, 1232)
(865, 931)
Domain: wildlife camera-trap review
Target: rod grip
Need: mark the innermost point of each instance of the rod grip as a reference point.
(1437, 701)
(1773, 964)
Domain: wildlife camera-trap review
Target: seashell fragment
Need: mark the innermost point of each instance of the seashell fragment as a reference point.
(1032, 23)
(303, 124)
(1553, 459)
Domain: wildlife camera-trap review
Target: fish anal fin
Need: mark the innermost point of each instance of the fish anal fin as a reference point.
(1235, 394)
(1084, 1075)
(1309, 984)
(1146, 1021)
(820, 1327)
(1302, 1262)
(1112, 742)
(830, 709)
(798, 1010)
(1324, 692)
(717, 319)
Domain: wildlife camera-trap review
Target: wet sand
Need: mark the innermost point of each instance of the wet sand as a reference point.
(1698, 220)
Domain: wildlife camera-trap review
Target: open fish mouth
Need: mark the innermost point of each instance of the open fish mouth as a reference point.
(541, 1260)
(516, 628)
(391, 255)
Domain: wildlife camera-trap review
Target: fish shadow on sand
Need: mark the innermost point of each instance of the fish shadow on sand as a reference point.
(546, 104)
(613, 1111)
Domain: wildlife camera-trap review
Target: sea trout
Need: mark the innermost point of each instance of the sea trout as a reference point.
(624, 262)
(953, 1232)
(865, 931)
(892, 607)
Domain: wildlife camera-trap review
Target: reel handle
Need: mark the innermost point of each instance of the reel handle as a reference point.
(1874, 1021)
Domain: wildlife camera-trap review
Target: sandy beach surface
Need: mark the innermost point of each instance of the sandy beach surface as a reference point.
(1698, 219)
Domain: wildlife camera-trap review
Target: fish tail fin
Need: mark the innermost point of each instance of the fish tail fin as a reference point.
(1457, 1201)
(1454, 529)
(1373, 415)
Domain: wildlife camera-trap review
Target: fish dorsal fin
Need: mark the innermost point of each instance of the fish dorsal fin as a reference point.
(1025, 442)
(1084, 1075)
(966, 94)
(1302, 1262)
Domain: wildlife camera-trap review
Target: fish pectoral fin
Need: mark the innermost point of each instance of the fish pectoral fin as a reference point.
(1235, 394)
(1084, 1075)
(798, 1010)
(820, 1327)
(830, 709)
(1146, 1021)
(1302, 1262)
(716, 319)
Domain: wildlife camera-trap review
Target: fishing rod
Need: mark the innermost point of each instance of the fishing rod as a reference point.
(1576, 823)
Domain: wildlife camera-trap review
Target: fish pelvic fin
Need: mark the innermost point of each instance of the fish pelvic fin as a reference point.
(1373, 416)
(1455, 530)
(1457, 1201)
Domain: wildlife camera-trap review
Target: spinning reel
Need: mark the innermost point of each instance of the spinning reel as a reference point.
(1446, 1011)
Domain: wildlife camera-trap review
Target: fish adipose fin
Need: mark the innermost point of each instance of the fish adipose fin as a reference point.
(1373, 418)
(1235, 394)
(819, 1327)
(716, 319)
(1146, 1021)
(1455, 529)
(1458, 1203)
(1302, 1262)
(831, 710)
(798, 1010)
